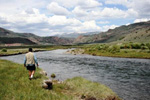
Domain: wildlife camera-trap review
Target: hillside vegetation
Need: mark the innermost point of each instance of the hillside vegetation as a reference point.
(137, 32)
(11, 40)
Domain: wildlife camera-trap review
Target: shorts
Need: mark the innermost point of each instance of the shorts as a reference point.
(31, 67)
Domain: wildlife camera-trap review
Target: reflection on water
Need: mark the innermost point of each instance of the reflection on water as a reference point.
(129, 78)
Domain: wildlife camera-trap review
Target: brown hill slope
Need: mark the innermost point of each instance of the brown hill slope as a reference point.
(137, 32)
(10, 37)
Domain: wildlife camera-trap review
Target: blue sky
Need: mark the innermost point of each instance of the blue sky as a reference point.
(51, 17)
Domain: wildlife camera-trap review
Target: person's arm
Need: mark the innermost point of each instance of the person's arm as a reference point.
(36, 60)
(25, 61)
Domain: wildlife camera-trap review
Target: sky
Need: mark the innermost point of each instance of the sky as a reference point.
(52, 17)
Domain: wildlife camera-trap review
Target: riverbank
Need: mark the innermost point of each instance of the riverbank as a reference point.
(22, 50)
(11, 52)
(129, 50)
(15, 85)
(124, 53)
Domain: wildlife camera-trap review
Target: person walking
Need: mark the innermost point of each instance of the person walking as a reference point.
(29, 62)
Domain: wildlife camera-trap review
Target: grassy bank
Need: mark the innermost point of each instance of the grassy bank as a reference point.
(15, 85)
(5, 51)
(114, 50)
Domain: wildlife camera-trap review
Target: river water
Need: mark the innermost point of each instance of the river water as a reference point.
(129, 78)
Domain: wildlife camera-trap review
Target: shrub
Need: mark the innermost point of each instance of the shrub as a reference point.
(114, 49)
(90, 50)
(136, 46)
(125, 51)
(4, 50)
(53, 75)
(148, 45)
(121, 38)
(100, 47)
(144, 47)
(125, 46)
(122, 47)
(142, 44)
(105, 47)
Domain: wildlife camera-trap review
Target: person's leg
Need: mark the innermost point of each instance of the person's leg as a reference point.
(32, 73)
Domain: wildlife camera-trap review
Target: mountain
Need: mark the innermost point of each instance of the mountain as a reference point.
(137, 32)
(75, 35)
(57, 40)
(15, 41)
(8, 37)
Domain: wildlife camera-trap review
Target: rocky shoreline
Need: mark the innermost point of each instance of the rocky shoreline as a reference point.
(75, 51)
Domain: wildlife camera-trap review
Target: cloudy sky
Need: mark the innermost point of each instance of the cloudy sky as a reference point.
(50, 17)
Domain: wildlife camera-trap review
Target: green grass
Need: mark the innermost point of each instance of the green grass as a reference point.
(122, 53)
(15, 85)
(113, 50)
(24, 49)
(13, 51)
(80, 86)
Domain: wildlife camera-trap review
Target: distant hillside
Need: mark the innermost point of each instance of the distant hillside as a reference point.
(14, 40)
(13, 37)
(75, 35)
(57, 40)
(137, 32)
(10, 37)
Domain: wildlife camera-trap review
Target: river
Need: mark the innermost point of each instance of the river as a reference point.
(129, 78)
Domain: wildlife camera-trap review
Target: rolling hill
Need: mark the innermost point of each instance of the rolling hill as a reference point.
(75, 34)
(8, 37)
(137, 32)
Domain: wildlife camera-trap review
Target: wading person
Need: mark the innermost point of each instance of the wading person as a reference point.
(29, 62)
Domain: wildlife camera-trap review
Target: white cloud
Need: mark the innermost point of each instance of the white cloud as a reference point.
(72, 24)
(131, 13)
(56, 9)
(62, 20)
(141, 20)
(104, 13)
(88, 3)
(109, 13)
(42, 25)
(140, 7)
(15, 6)
(88, 26)
(128, 24)
(28, 18)
(107, 27)
(112, 12)
(103, 22)
(81, 3)
(79, 12)
(117, 2)
(31, 11)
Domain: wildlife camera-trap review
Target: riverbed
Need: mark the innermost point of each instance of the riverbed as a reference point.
(128, 77)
